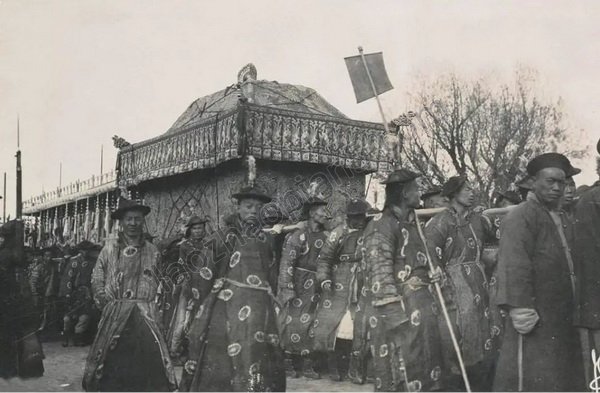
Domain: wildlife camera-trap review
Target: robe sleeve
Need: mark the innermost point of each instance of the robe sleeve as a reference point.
(380, 253)
(515, 269)
(99, 279)
(327, 255)
(435, 233)
(438, 243)
(380, 249)
(289, 258)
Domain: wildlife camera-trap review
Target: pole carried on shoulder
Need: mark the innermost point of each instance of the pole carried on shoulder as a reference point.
(385, 124)
(438, 290)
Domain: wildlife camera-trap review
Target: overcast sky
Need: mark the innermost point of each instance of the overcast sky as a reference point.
(78, 72)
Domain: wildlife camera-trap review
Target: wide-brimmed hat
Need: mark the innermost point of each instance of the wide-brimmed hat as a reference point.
(401, 176)
(194, 220)
(86, 245)
(125, 205)
(525, 183)
(572, 171)
(510, 196)
(314, 201)
(272, 214)
(252, 193)
(549, 160)
(357, 207)
(431, 192)
(453, 185)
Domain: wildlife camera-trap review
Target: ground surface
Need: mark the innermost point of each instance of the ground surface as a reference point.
(64, 370)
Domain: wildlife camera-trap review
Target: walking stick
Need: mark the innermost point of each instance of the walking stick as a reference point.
(520, 362)
(438, 290)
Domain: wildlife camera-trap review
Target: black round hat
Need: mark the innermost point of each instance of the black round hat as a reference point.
(125, 205)
(252, 192)
(357, 207)
(431, 192)
(453, 185)
(549, 160)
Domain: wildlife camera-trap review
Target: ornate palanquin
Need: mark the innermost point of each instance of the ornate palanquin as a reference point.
(264, 132)
(290, 133)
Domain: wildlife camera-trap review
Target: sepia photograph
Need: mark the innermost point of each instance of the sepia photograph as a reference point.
(309, 196)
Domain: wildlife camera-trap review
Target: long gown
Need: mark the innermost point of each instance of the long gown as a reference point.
(129, 351)
(234, 342)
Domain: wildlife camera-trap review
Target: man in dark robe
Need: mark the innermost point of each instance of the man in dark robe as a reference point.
(409, 355)
(540, 350)
(80, 309)
(587, 262)
(20, 350)
(455, 238)
(233, 339)
(191, 285)
(129, 352)
(337, 275)
(298, 290)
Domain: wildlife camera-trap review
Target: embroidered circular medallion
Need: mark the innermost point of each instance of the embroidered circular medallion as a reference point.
(259, 336)
(234, 349)
(130, 251)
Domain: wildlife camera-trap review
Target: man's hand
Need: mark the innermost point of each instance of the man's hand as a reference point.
(437, 276)
(524, 319)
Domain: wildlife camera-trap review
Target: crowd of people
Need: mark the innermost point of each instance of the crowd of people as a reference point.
(501, 299)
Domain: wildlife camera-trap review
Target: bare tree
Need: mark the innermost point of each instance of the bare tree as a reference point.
(468, 127)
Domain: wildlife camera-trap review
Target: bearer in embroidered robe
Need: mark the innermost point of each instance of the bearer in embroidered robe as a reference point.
(337, 274)
(298, 288)
(409, 355)
(233, 339)
(129, 352)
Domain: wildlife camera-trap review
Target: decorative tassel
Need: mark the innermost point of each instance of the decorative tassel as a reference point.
(313, 191)
(251, 163)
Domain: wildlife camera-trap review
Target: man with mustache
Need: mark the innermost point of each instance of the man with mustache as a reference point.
(129, 352)
(540, 349)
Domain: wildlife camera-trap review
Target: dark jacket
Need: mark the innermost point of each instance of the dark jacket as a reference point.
(533, 273)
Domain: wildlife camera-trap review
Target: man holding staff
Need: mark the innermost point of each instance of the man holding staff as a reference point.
(455, 239)
(410, 356)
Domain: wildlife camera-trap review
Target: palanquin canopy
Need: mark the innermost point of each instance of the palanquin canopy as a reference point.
(266, 119)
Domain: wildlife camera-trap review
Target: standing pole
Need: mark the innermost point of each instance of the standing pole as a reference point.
(19, 186)
(19, 174)
(438, 289)
(60, 175)
(101, 161)
(4, 201)
(385, 123)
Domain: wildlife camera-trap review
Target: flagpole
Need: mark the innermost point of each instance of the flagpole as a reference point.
(4, 201)
(19, 211)
(385, 123)
(364, 60)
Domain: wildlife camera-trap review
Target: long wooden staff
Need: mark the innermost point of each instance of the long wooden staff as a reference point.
(438, 289)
